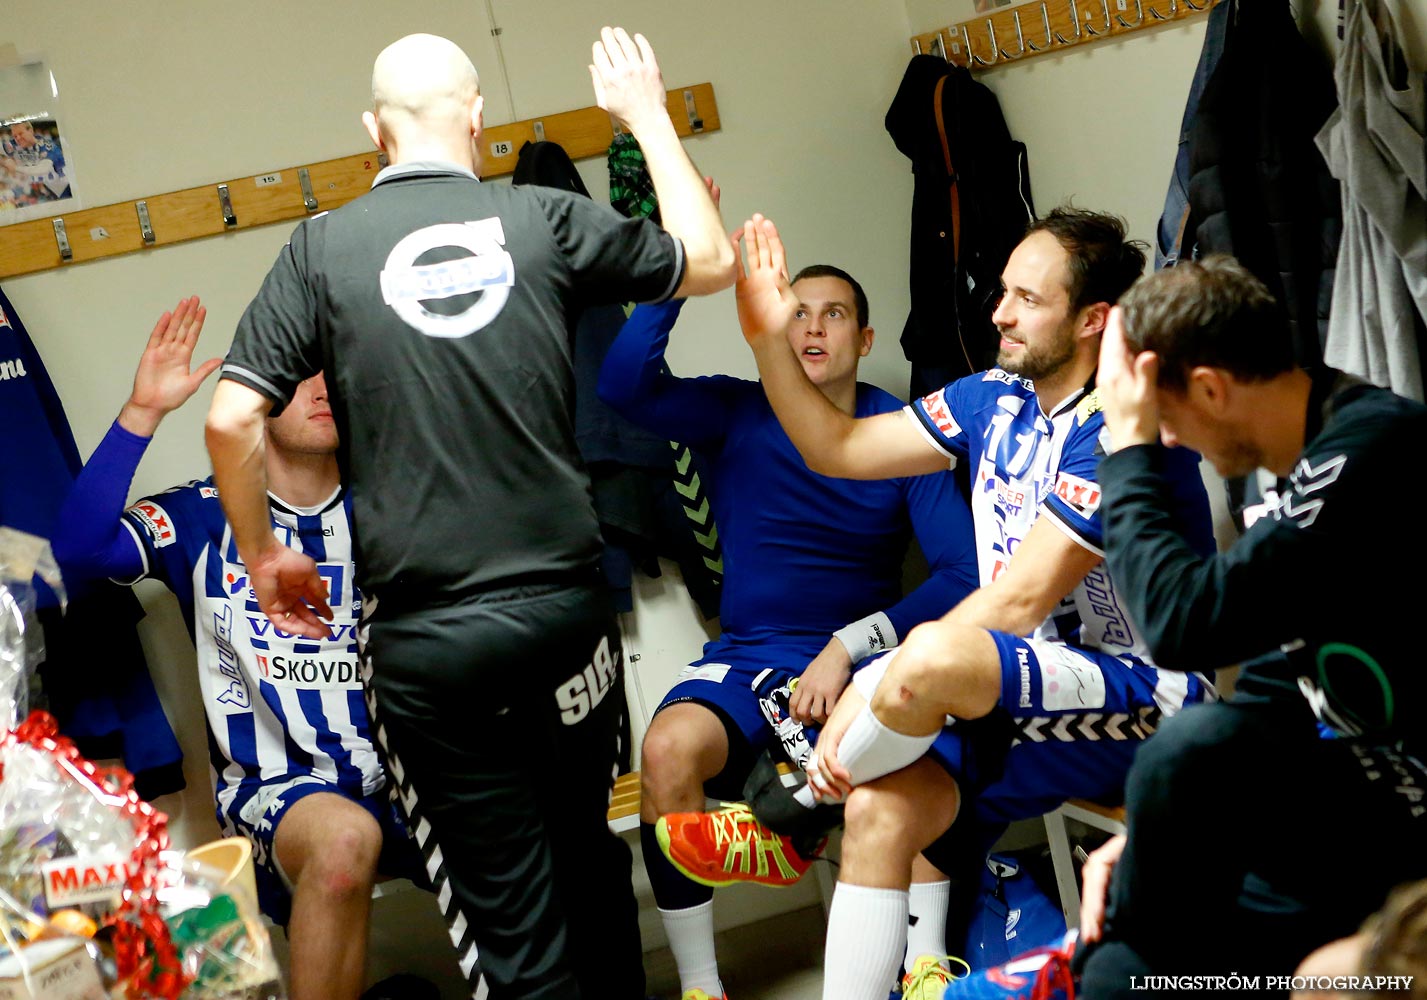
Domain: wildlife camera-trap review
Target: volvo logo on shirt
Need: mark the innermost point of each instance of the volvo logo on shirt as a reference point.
(488, 274)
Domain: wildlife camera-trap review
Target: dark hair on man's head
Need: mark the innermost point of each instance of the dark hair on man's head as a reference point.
(1397, 939)
(828, 271)
(1210, 312)
(1102, 262)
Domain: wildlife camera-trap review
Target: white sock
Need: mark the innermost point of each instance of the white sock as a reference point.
(691, 939)
(869, 749)
(865, 679)
(864, 942)
(926, 920)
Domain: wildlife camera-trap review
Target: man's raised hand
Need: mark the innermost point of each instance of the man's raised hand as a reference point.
(165, 379)
(766, 303)
(626, 78)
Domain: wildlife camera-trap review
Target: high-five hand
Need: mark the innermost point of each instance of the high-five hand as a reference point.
(626, 77)
(165, 379)
(766, 303)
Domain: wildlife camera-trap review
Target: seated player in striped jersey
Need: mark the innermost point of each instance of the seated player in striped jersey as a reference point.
(294, 767)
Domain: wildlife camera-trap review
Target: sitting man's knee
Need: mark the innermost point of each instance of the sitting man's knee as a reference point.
(888, 813)
(346, 864)
(675, 762)
(667, 750)
(938, 657)
(866, 815)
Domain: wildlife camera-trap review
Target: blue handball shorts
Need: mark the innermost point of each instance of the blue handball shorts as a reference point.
(258, 809)
(1076, 718)
(724, 681)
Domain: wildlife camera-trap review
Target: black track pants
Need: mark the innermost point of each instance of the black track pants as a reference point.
(500, 718)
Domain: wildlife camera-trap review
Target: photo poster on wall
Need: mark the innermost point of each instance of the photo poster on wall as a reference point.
(36, 163)
(982, 6)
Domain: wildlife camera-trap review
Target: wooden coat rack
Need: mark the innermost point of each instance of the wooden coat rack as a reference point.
(293, 192)
(1012, 34)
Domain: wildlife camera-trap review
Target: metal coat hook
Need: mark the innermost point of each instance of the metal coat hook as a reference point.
(1049, 39)
(1139, 17)
(917, 45)
(995, 48)
(230, 220)
(146, 229)
(1020, 38)
(1191, 6)
(696, 124)
(1105, 6)
(1075, 20)
(1173, 11)
(939, 47)
(62, 240)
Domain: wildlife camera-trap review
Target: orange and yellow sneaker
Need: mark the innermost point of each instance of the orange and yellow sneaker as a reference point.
(727, 846)
(701, 995)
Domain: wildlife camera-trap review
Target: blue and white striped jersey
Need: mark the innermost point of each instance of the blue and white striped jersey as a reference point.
(1027, 464)
(277, 704)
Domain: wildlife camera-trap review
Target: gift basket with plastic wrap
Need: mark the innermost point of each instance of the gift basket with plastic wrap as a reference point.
(93, 904)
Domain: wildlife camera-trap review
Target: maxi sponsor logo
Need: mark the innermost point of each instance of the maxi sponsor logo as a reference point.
(935, 407)
(1080, 494)
(79, 879)
(155, 521)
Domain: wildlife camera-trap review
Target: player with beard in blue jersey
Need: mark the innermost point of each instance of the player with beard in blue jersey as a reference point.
(812, 587)
(294, 767)
(1045, 646)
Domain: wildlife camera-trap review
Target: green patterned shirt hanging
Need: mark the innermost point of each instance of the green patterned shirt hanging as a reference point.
(631, 192)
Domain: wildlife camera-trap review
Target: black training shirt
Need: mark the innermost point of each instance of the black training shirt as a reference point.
(441, 310)
(1329, 571)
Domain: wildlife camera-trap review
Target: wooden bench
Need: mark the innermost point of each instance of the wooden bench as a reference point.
(624, 803)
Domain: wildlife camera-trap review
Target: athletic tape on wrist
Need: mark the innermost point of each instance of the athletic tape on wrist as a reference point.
(867, 636)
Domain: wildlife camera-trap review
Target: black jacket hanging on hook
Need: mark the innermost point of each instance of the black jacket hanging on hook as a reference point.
(1258, 187)
(970, 207)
